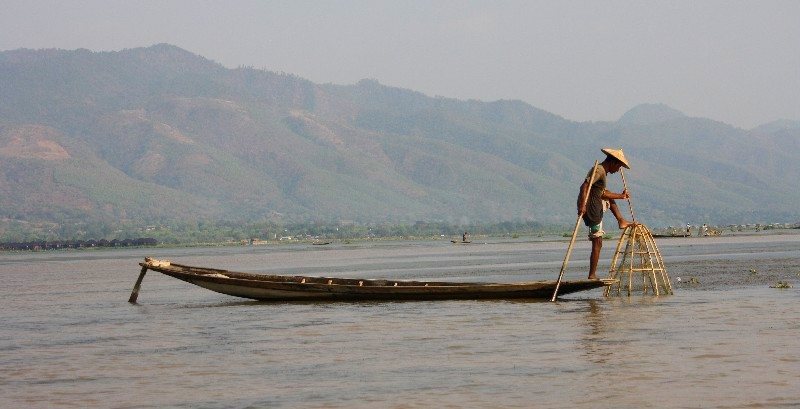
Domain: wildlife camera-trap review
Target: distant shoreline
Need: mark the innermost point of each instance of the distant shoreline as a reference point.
(476, 240)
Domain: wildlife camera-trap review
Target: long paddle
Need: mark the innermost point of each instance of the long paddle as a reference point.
(574, 233)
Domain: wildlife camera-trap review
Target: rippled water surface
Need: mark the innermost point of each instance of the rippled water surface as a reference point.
(69, 338)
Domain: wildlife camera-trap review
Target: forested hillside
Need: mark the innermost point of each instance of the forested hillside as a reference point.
(156, 135)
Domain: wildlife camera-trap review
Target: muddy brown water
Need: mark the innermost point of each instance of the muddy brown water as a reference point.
(725, 339)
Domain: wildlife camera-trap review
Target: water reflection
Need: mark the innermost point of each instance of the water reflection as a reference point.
(595, 347)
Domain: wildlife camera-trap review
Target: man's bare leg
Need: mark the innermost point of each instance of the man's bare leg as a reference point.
(623, 224)
(597, 245)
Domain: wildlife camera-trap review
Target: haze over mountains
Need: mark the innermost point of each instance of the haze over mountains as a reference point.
(158, 134)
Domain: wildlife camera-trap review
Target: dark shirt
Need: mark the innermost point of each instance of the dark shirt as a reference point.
(594, 208)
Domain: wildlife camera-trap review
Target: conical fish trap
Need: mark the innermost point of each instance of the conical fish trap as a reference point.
(638, 264)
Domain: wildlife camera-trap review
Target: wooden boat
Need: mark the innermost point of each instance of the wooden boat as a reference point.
(460, 241)
(265, 287)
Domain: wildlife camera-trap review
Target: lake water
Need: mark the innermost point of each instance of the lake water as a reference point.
(70, 339)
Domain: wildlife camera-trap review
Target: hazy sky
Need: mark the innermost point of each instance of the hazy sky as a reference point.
(733, 61)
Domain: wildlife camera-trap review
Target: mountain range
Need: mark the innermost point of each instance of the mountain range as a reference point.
(157, 134)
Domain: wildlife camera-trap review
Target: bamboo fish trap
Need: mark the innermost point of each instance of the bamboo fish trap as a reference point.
(638, 255)
(638, 264)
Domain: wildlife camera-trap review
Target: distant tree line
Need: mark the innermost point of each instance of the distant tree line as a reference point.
(76, 244)
(216, 231)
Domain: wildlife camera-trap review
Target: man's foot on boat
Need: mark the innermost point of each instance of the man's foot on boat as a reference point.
(593, 278)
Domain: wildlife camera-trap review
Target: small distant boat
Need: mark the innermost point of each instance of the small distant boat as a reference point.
(320, 243)
(460, 241)
(264, 287)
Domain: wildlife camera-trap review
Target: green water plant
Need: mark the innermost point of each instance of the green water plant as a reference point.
(781, 284)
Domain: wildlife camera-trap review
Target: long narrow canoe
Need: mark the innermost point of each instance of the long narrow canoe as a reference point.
(266, 287)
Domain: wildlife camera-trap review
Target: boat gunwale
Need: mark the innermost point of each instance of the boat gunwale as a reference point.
(310, 281)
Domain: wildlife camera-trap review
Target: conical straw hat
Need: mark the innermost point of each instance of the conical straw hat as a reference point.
(617, 154)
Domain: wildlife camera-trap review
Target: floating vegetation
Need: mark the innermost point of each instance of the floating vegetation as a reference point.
(691, 280)
(781, 284)
(753, 271)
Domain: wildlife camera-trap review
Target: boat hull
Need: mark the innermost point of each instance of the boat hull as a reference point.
(300, 288)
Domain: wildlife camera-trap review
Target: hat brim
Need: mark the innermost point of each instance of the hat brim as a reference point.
(618, 155)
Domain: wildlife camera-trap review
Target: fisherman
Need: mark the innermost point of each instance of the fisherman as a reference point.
(464, 237)
(599, 201)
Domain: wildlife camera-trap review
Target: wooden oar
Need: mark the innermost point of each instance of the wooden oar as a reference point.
(574, 233)
(135, 292)
(625, 186)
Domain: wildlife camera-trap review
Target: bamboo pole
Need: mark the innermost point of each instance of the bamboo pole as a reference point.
(625, 186)
(574, 233)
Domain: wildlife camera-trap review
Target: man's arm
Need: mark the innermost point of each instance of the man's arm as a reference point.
(610, 195)
(582, 197)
